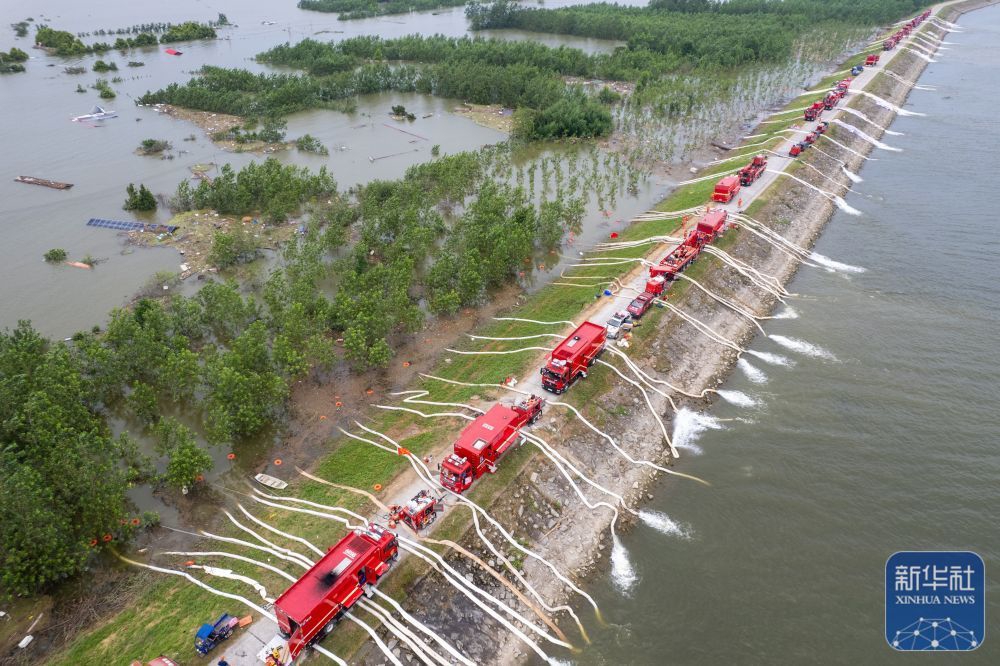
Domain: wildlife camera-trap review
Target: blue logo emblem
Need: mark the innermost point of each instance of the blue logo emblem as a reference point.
(934, 600)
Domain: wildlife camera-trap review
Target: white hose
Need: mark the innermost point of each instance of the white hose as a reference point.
(586, 422)
(427, 631)
(288, 551)
(234, 556)
(378, 641)
(419, 648)
(228, 573)
(271, 528)
(429, 478)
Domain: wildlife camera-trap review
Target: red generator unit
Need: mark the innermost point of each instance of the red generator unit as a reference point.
(797, 149)
(713, 223)
(655, 286)
(830, 100)
(871, 60)
(485, 440)
(570, 360)
(314, 604)
(726, 189)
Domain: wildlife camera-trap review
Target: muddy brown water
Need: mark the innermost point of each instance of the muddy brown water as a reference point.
(98, 158)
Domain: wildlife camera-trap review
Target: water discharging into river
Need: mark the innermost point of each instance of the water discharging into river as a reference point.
(894, 447)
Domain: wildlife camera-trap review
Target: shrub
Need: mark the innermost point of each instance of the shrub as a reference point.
(55, 255)
(141, 199)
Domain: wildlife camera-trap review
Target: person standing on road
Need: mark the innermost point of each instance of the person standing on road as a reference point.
(223, 662)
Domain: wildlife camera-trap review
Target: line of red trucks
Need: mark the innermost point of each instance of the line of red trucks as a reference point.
(890, 42)
(312, 606)
(727, 188)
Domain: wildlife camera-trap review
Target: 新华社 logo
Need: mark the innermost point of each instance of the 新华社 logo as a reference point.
(934, 600)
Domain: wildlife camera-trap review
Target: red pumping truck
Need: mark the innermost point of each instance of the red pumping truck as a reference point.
(485, 440)
(813, 112)
(570, 360)
(314, 604)
(679, 258)
(726, 189)
(871, 60)
(751, 172)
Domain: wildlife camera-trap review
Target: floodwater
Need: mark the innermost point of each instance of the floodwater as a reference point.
(892, 446)
(99, 159)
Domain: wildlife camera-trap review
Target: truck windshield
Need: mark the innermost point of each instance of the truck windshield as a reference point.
(615, 322)
(546, 372)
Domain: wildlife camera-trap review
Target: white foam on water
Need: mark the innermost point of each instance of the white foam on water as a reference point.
(847, 148)
(688, 427)
(788, 312)
(870, 139)
(622, 571)
(803, 347)
(738, 398)
(886, 104)
(823, 260)
(772, 359)
(844, 206)
(855, 178)
(753, 373)
(837, 199)
(661, 522)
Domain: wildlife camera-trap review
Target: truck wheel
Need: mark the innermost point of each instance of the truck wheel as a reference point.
(330, 626)
(583, 374)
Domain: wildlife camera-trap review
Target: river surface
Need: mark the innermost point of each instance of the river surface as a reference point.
(892, 446)
(99, 159)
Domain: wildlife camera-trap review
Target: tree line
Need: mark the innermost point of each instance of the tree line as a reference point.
(445, 234)
(698, 33)
(356, 9)
(67, 44)
(514, 74)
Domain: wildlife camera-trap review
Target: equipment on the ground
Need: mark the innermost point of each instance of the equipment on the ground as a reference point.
(210, 635)
(418, 513)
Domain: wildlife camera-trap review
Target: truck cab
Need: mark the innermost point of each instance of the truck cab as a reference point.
(640, 304)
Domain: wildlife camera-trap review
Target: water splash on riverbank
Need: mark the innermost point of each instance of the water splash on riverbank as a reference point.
(753, 373)
(803, 347)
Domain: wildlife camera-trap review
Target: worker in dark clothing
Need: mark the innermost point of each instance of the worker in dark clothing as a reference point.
(223, 662)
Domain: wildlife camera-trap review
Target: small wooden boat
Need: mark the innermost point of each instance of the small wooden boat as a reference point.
(270, 481)
(54, 184)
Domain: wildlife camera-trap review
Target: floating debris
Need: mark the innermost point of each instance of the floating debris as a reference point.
(120, 225)
(54, 184)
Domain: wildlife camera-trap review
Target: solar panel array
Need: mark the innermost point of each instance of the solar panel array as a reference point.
(120, 225)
